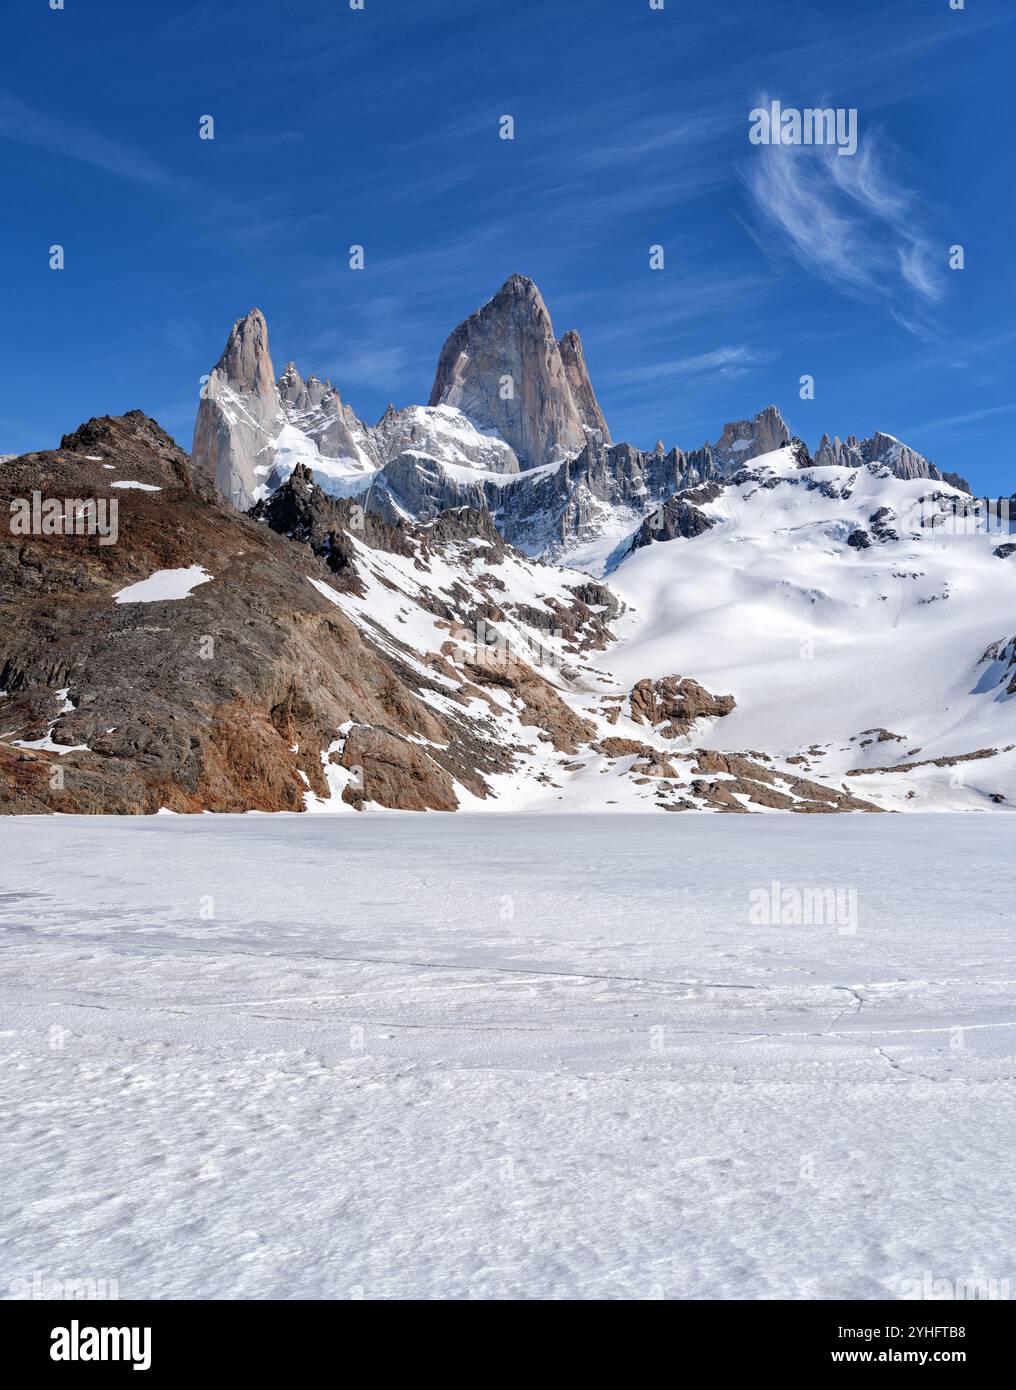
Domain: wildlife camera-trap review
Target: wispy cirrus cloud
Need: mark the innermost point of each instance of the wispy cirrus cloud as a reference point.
(21, 124)
(949, 423)
(729, 361)
(847, 221)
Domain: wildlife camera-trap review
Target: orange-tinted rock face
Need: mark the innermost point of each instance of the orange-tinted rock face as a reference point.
(219, 701)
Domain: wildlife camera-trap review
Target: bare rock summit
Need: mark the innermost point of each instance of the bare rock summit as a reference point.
(240, 412)
(505, 370)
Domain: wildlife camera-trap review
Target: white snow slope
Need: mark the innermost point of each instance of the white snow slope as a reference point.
(465, 1057)
(442, 434)
(822, 644)
(861, 668)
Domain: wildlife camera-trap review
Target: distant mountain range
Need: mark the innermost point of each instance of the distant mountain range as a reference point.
(512, 425)
(485, 603)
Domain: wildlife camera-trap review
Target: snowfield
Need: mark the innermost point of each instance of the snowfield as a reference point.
(823, 645)
(508, 1057)
(164, 585)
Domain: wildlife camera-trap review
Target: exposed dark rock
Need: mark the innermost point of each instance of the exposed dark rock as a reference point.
(193, 704)
(800, 452)
(1003, 652)
(976, 756)
(677, 518)
(880, 522)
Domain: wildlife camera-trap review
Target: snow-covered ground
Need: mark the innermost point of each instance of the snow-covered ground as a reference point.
(822, 644)
(341, 1057)
(163, 585)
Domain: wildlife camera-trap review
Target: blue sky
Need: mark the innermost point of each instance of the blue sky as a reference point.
(380, 127)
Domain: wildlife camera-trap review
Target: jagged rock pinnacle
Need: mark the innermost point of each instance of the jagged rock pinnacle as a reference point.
(503, 367)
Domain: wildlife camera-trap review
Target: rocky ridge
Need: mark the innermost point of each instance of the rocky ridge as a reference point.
(513, 424)
(327, 659)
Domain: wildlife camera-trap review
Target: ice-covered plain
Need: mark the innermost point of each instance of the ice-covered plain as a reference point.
(507, 1057)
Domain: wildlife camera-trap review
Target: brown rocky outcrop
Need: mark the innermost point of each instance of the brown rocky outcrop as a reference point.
(225, 700)
(946, 761)
(673, 703)
(654, 767)
(394, 773)
(541, 705)
(624, 748)
(742, 776)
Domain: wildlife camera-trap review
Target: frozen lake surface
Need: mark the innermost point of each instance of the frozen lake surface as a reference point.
(492, 1056)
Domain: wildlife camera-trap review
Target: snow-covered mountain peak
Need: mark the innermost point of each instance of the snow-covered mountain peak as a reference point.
(787, 635)
(252, 430)
(884, 451)
(239, 413)
(777, 494)
(444, 433)
(513, 425)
